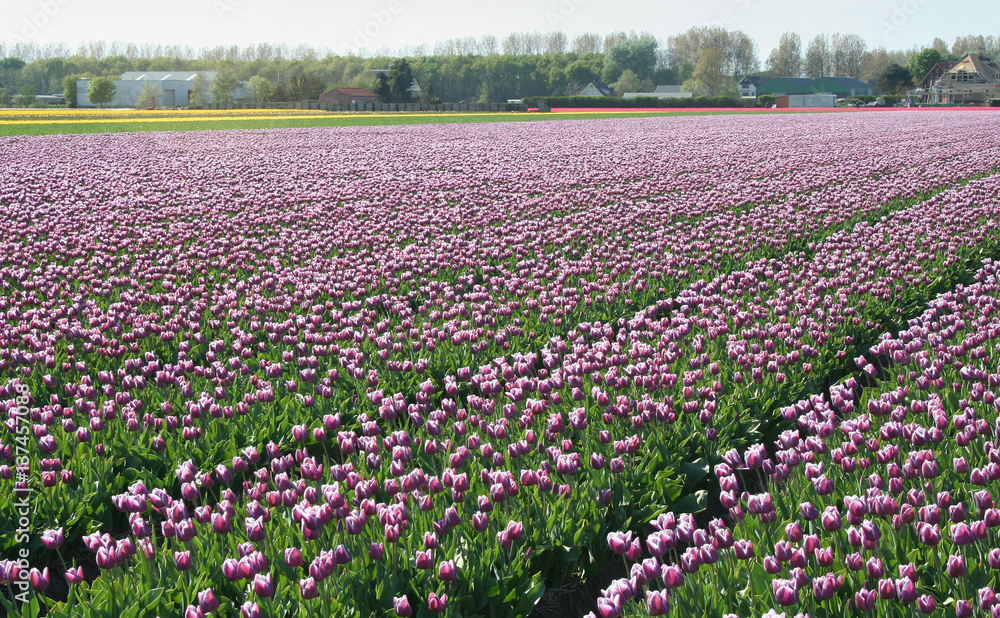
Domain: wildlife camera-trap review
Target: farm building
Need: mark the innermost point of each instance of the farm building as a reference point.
(975, 79)
(174, 87)
(597, 89)
(749, 84)
(844, 87)
(347, 96)
(786, 85)
(934, 74)
(805, 100)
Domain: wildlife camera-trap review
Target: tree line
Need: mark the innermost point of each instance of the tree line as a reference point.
(705, 60)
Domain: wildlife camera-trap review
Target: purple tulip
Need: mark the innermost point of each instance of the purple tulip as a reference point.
(182, 560)
(53, 539)
(657, 603)
(39, 580)
(831, 519)
(447, 571)
(864, 600)
(963, 609)
(785, 592)
(207, 601)
(401, 605)
(956, 566)
(250, 610)
(263, 585)
(437, 604)
(308, 588)
(673, 576)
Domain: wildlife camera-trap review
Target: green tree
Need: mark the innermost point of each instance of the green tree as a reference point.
(260, 89)
(223, 88)
(611, 72)
(27, 96)
(55, 70)
(895, 79)
(920, 64)
(382, 90)
(429, 98)
(69, 90)
(484, 94)
(198, 96)
(581, 72)
(101, 91)
(638, 56)
(10, 73)
(150, 95)
(400, 80)
(710, 73)
(629, 82)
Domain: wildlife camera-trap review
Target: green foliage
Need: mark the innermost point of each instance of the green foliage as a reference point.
(260, 89)
(484, 94)
(69, 90)
(400, 80)
(710, 72)
(198, 95)
(150, 95)
(383, 93)
(27, 96)
(894, 79)
(101, 91)
(611, 72)
(638, 56)
(631, 82)
(921, 63)
(223, 88)
(766, 100)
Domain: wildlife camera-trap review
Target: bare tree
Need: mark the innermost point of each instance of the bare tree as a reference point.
(875, 63)
(819, 58)
(614, 39)
(786, 60)
(488, 45)
(686, 47)
(513, 44)
(587, 43)
(556, 42)
(741, 52)
(534, 42)
(968, 44)
(941, 46)
(848, 55)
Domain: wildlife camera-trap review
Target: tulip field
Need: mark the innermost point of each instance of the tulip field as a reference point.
(745, 364)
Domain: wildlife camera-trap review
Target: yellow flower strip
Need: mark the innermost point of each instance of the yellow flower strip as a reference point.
(300, 117)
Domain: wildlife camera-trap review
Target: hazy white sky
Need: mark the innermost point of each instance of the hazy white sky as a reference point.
(895, 24)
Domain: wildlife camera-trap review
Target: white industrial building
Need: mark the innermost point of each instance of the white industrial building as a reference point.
(174, 88)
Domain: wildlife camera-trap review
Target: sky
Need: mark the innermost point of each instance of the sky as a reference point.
(374, 24)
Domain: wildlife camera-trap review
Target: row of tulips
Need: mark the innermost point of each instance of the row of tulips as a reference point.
(460, 485)
(878, 500)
